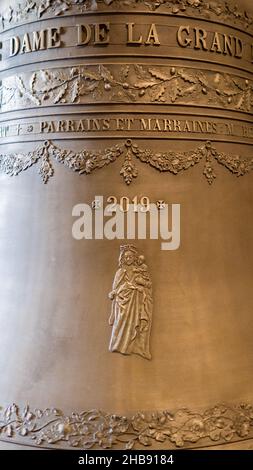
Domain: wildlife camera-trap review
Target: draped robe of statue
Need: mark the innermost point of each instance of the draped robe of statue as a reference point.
(131, 312)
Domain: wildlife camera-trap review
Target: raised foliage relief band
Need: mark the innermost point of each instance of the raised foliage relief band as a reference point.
(95, 429)
(85, 161)
(127, 84)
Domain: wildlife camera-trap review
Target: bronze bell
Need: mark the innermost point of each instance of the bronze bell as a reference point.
(114, 114)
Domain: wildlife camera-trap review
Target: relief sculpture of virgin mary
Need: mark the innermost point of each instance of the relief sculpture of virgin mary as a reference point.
(131, 314)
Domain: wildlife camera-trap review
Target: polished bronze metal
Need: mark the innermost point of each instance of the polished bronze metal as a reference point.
(126, 88)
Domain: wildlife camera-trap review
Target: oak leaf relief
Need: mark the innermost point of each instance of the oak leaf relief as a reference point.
(126, 84)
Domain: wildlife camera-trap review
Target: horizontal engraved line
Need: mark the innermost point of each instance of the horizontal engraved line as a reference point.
(91, 111)
(122, 137)
(105, 13)
(69, 105)
(59, 106)
(129, 56)
(19, 442)
(222, 444)
(192, 446)
(127, 114)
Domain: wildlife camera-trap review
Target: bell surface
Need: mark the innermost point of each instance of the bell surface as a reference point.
(126, 224)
